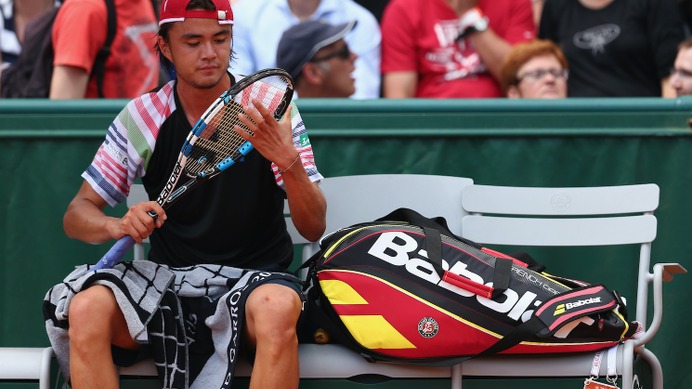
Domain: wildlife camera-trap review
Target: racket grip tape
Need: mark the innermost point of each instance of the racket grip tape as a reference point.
(115, 254)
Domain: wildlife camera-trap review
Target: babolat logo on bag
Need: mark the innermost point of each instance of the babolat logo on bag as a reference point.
(562, 308)
(404, 288)
(402, 248)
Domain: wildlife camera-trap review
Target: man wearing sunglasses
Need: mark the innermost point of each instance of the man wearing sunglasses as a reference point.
(318, 59)
(260, 24)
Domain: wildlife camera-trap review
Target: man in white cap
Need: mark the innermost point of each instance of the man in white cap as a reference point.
(215, 285)
(318, 58)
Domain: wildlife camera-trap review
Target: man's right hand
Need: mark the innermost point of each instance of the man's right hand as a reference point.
(138, 222)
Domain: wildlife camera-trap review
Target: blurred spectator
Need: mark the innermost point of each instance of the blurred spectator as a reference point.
(259, 25)
(14, 16)
(318, 59)
(450, 48)
(681, 76)
(615, 47)
(535, 70)
(686, 12)
(375, 6)
(537, 10)
(132, 66)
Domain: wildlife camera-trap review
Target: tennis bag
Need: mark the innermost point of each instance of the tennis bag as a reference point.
(404, 288)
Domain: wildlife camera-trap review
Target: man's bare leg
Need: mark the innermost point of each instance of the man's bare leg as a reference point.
(96, 322)
(272, 312)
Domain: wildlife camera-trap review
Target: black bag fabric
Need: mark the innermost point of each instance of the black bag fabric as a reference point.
(30, 76)
(404, 288)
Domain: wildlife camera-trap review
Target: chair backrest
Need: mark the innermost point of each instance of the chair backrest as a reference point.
(360, 198)
(587, 216)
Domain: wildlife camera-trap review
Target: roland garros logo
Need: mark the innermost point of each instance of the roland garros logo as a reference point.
(428, 327)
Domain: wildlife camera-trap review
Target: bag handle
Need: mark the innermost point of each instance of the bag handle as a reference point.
(438, 223)
(432, 228)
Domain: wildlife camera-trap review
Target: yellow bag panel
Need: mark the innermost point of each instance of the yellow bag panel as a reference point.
(375, 332)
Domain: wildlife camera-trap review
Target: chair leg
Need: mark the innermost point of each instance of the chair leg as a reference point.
(46, 359)
(456, 376)
(655, 364)
(627, 365)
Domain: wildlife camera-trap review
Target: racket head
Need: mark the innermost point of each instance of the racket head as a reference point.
(217, 145)
(213, 145)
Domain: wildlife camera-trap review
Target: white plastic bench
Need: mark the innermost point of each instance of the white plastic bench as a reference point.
(547, 217)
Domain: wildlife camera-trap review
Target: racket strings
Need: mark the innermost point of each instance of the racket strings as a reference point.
(219, 141)
(270, 91)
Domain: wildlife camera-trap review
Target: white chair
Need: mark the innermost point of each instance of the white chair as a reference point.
(26, 364)
(350, 200)
(547, 217)
(595, 216)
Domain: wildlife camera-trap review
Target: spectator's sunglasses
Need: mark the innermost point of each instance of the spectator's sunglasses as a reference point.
(344, 53)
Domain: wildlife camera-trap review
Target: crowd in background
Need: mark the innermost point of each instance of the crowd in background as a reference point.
(390, 48)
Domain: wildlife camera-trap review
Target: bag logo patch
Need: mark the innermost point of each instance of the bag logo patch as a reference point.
(428, 327)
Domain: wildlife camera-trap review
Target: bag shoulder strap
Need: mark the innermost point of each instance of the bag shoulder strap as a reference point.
(555, 312)
(155, 5)
(99, 68)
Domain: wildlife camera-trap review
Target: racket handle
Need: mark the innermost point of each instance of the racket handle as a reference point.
(115, 254)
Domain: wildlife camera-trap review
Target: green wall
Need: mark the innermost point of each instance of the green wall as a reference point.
(573, 142)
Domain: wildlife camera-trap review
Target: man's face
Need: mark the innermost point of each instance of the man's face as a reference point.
(338, 65)
(200, 50)
(541, 77)
(681, 77)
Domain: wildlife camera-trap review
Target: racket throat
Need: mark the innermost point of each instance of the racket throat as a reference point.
(176, 193)
(170, 185)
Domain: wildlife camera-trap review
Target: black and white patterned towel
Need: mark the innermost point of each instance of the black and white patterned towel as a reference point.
(191, 317)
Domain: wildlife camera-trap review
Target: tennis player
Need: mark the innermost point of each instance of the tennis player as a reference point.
(202, 245)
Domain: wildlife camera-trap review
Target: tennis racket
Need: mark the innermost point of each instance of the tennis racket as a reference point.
(213, 146)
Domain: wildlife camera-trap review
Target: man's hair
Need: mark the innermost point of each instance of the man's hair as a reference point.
(686, 44)
(523, 53)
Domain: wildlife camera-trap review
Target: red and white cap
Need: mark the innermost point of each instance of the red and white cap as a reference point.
(174, 11)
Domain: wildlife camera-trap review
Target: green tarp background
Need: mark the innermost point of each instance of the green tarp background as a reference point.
(572, 142)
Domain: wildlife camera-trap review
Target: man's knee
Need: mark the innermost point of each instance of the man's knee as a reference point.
(91, 304)
(96, 320)
(273, 310)
(274, 299)
(91, 313)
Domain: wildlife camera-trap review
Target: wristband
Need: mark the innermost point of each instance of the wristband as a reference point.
(470, 17)
(472, 21)
(291, 165)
